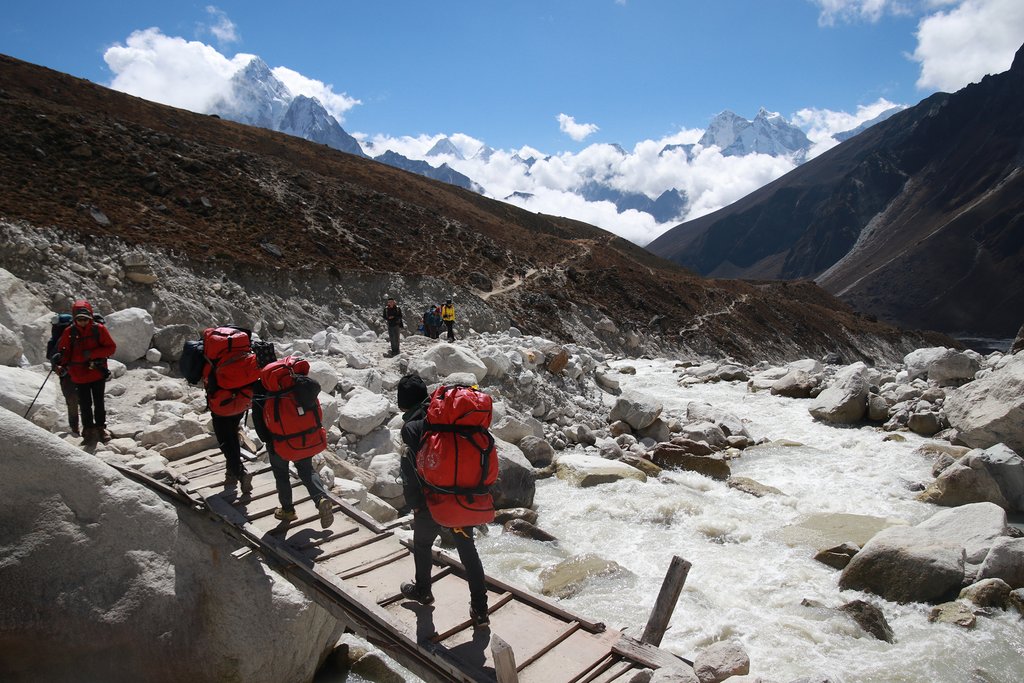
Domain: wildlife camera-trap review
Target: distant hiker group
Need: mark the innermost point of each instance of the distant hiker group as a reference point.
(434, 319)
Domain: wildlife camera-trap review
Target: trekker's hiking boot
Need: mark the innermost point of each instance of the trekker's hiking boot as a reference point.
(89, 436)
(326, 513)
(479, 617)
(285, 515)
(410, 592)
(245, 481)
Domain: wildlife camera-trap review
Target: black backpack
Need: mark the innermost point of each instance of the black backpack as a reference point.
(192, 361)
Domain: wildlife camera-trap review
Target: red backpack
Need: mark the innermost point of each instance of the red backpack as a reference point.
(231, 369)
(291, 410)
(457, 462)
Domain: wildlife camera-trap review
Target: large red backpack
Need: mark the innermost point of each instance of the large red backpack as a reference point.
(230, 371)
(457, 462)
(291, 410)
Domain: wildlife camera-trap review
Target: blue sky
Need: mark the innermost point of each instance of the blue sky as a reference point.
(559, 77)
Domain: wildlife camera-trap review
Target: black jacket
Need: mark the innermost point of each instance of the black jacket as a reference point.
(412, 435)
(394, 316)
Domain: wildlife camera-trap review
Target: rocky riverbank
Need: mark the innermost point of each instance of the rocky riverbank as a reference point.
(559, 411)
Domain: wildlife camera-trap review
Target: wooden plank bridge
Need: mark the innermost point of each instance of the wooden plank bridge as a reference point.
(354, 569)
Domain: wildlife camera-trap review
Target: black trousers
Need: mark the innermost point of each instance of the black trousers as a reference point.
(309, 478)
(394, 335)
(70, 392)
(90, 399)
(425, 530)
(450, 324)
(225, 428)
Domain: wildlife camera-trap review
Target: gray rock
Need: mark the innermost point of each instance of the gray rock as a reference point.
(568, 577)
(990, 410)
(943, 366)
(141, 576)
(450, 359)
(1005, 560)
(588, 470)
(870, 618)
(18, 388)
(720, 661)
(987, 593)
(537, 450)
(638, 410)
(956, 613)
(994, 475)
(10, 347)
(132, 330)
(845, 400)
(171, 339)
(363, 412)
(515, 487)
(670, 456)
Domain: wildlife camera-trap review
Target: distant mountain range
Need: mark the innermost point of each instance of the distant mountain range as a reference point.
(918, 220)
(259, 98)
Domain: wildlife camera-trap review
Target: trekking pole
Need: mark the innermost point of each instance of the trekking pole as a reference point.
(37, 393)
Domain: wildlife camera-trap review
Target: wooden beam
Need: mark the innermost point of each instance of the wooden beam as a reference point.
(657, 623)
(504, 661)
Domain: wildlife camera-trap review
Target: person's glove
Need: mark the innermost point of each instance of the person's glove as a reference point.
(55, 358)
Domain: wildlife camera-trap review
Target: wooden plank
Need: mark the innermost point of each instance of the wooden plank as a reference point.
(646, 655)
(570, 629)
(309, 537)
(381, 582)
(668, 596)
(571, 659)
(527, 630)
(329, 554)
(450, 634)
(504, 661)
(615, 671)
(340, 562)
(540, 603)
(450, 609)
(374, 564)
(366, 620)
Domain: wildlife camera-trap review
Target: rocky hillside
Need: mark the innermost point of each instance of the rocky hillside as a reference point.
(133, 203)
(916, 220)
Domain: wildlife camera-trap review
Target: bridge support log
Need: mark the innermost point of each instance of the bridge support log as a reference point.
(657, 623)
(504, 661)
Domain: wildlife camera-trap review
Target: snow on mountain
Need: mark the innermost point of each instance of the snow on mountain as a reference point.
(846, 135)
(445, 147)
(768, 133)
(256, 98)
(307, 118)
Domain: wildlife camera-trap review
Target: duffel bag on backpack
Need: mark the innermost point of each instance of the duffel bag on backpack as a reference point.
(457, 462)
(192, 361)
(230, 370)
(291, 409)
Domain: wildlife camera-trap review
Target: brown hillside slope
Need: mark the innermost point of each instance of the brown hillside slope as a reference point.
(241, 201)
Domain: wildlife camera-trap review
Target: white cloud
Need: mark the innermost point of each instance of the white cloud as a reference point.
(336, 103)
(223, 29)
(858, 10)
(170, 70)
(577, 131)
(821, 124)
(962, 45)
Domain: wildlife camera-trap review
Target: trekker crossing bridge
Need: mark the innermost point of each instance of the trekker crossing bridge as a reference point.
(354, 569)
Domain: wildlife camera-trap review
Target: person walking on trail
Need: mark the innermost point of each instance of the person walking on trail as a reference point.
(59, 323)
(228, 377)
(265, 355)
(448, 318)
(413, 400)
(82, 352)
(393, 317)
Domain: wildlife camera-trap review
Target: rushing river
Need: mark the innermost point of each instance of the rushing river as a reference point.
(746, 583)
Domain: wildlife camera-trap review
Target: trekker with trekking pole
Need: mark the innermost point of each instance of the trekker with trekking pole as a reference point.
(82, 353)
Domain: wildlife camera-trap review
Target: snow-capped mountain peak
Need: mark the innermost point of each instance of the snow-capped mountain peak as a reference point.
(769, 133)
(445, 147)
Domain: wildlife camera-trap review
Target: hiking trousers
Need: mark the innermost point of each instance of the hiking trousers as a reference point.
(394, 336)
(70, 392)
(309, 478)
(424, 531)
(225, 428)
(90, 398)
(450, 324)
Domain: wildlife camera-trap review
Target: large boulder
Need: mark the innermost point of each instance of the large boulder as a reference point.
(325, 375)
(1005, 560)
(927, 562)
(515, 486)
(170, 340)
(10, 347)
(497, 361)
(990, 410)
(18, 306)
(906, 564)
(636, 409)
(450, 359)
(845, 400)
(19, 386)
(943, 366)
(363, 412)
(673, 456)
(132, 330)
(591, 470)
(994, 475)
(121, 569)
